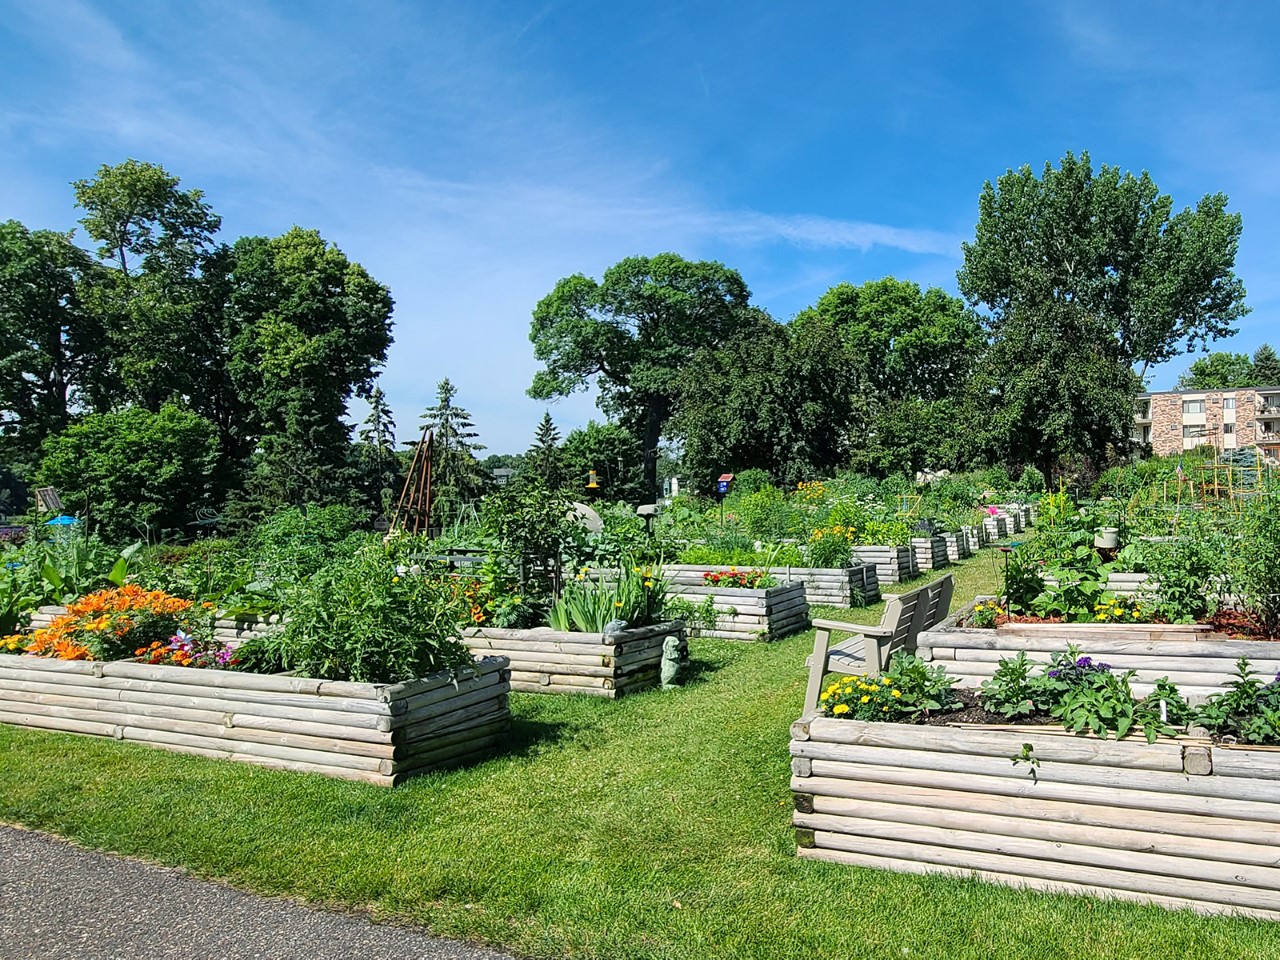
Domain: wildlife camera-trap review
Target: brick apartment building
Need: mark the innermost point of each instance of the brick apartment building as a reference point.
(1179, 420)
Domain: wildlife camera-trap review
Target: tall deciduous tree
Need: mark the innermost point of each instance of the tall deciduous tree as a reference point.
(1219, 371)
(1266, 366)
(632, 333)
(457, 478)
(54, 356)
(543, 458)
(908, 354)
(311, 329)
(774, 398)
(164, 319)
(135, 471)
(1085, 276)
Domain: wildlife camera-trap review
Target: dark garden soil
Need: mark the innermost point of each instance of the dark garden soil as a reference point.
(1239, 626)
(973, 712)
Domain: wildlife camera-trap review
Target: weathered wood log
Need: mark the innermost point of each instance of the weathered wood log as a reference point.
(466, 715)
(836, 760)
(478, 693)
(1260, 762)
(535, 686)
(568, 680)
(466, 737)
(240, 747)
(1066, 803)
(21, 718)
(1131, 834)
(1026, 882)
(1105, 878)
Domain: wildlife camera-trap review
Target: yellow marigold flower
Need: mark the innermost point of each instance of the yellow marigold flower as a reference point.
(897, 693)
(840, 708)
(884, 681)
(865, 699)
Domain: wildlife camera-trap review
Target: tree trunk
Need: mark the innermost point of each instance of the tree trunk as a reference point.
(652, 434)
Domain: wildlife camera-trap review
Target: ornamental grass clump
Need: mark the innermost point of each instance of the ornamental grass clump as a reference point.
(908, 692)
(108, 625)
(358, 619)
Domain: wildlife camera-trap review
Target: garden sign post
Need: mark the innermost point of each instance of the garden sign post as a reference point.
(722, 491)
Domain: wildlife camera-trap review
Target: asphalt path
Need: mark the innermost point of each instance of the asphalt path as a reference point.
(61, 902)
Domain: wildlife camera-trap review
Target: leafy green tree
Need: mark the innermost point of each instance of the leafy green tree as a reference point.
(1084, 276)
(632, 333)
(54, 357)
(135, 471)
(543, 458)
(614, 453)
(163, 314)
(775, 398)
(1219, 371)
(311, 329)
(908, 354)
(1266, 366)
(1107, 243)
(456, 476)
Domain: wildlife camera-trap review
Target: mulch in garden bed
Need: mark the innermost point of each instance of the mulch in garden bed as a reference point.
(973, 712)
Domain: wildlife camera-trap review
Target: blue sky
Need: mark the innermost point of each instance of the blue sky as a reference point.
(471, 154)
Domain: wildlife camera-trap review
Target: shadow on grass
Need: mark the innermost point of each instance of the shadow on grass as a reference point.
(526, 734)
(697, 671)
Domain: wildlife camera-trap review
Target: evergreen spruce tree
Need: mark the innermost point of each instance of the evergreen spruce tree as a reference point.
(1266, 366)
(379, 461)
(543, 458)
(457, 478)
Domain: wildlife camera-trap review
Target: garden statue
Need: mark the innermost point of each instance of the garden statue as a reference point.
(614, 626)
(672, 662)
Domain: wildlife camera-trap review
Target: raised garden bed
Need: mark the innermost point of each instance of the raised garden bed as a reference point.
(1200, 661)
(893, 564)
(764, 614)
(603, 665)
(1180, 823)
(855, 586)
(378, 733)
(931, 552)
(957, 546)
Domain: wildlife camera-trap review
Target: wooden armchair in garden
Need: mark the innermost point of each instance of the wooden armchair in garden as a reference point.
(868, 651)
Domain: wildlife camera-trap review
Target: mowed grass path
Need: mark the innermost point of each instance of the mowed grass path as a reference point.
(654, 827)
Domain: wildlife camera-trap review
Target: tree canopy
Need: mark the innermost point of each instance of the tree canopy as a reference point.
(632, 333)
(1219, 371)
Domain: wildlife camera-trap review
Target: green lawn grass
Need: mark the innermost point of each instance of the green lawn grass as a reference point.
(653, 827)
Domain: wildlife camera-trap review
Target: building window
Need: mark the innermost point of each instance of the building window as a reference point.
(1193, 431)
(1228, 428)
(1193, 406)
(1228, 403)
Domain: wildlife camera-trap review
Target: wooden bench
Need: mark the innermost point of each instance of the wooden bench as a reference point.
(869, 650)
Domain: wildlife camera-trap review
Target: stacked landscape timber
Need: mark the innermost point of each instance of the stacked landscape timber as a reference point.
(893, 564)
(996, 527)
(855, 586)
(957, 546)
(1199, 661)
(1180, 823)
(603, 665)
(931, 552)
(378, 733)
(973, 538)
(764, 614)
(1121, 584)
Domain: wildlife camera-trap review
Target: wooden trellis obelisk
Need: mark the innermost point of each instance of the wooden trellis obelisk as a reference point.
(413, 510)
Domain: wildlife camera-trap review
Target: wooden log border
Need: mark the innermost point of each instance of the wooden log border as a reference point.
(377, 733)
(1183, 823)
(549, 661)
(766, 614)
(1191, 655)
(854, 586)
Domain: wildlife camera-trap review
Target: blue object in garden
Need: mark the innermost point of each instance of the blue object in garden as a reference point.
(62, 520)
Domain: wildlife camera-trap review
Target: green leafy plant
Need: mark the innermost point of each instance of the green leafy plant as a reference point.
(1010, 692)
(984, 614)
(358, 619)
(1187, 572)
(635, 595)
(907, 692)
(1255, 561)
(1028, 756)
(1247, 711)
